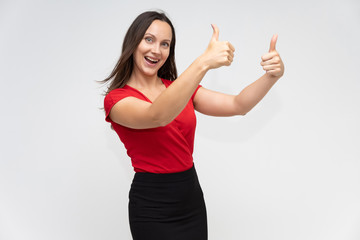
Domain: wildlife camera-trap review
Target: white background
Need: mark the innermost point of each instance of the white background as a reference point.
(289, 169)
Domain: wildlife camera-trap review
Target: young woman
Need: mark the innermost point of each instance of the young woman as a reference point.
(152, 111)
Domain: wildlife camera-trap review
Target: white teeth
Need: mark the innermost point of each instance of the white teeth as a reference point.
(152, 60)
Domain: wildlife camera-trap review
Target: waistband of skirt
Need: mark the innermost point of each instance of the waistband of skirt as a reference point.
(165, 177)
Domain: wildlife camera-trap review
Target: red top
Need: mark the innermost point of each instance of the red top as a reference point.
(165, 149)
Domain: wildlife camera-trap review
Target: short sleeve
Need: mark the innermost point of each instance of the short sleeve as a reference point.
(112, 98)
(192, 97)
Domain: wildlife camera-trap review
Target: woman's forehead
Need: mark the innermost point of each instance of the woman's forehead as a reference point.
(160, 29)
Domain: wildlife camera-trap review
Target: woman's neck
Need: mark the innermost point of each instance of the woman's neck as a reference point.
(141, 81)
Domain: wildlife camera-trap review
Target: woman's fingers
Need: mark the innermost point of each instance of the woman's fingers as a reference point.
(232, 48)
(228, 51)
(275, 60)
(274, 66)
(268, 56)
(271, 67)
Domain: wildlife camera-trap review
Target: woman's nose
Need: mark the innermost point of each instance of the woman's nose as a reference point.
(156, 48)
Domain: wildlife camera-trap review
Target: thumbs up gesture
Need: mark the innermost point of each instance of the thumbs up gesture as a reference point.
(218, 53)
(271, 61)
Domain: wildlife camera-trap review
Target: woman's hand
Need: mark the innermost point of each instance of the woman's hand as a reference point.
(272, 62)
(218, 53)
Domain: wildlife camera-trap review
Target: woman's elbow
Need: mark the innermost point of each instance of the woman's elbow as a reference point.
(159, 120)
(242, 111)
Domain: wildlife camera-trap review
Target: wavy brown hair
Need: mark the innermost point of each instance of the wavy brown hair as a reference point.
(120, 75)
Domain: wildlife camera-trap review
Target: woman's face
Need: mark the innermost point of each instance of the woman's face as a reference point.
(153, 50)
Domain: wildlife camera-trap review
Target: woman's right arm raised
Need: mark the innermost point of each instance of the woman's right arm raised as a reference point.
(135, 113)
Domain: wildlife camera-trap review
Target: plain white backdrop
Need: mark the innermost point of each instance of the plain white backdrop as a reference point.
(289, 169)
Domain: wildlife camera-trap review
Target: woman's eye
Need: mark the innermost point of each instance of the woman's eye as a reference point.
(148, 39)
(166, 44)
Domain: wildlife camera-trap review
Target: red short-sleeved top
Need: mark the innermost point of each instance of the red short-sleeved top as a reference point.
(165, 149)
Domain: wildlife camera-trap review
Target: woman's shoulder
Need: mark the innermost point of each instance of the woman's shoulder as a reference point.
(119, 91)
(117, 94)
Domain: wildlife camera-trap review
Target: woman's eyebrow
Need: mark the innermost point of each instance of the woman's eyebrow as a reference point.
(152, 35)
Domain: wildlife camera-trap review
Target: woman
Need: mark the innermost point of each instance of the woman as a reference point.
(154, 117)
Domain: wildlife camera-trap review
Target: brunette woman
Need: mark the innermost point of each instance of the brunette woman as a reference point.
(152, 111)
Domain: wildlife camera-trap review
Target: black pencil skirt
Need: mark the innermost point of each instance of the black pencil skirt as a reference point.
(167, 207)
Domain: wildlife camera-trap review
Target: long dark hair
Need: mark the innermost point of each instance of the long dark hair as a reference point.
(120, 75)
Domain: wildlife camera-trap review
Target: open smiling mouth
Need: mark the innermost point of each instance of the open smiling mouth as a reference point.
(151, 60)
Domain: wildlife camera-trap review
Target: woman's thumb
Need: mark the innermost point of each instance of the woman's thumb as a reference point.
(215, 36)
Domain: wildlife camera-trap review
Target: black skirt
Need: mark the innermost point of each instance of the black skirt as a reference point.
(167, 207)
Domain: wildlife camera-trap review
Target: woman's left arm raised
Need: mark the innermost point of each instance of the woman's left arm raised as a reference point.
(219, 104)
